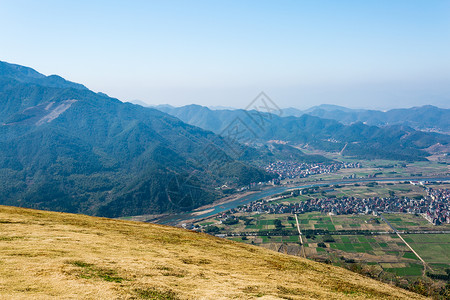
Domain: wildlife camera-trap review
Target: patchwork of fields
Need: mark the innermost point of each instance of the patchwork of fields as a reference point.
(382, 249)
(356, 241)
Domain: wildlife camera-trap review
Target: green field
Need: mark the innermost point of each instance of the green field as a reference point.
(410, 270)
(384, 250)
(405, 222)
(433, 248)
(347, 239)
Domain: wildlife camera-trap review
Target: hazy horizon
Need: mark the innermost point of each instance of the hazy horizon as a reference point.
(219, 107)
(373, 55)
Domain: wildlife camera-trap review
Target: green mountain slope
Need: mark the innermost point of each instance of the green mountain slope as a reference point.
(359, 140)
(48, 255)
(28, 75)
(66, 148)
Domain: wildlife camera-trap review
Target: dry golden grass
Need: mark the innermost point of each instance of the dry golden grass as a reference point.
(47, 255)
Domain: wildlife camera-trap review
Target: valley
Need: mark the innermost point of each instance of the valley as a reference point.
(367, 171)
(321, 191)
(214, 150)
(382, 240)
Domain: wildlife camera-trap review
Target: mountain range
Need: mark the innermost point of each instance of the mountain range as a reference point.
(359, 140)
(66, 148)
(426, 118)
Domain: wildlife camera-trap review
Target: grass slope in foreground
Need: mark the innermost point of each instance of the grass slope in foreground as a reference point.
(55, 255)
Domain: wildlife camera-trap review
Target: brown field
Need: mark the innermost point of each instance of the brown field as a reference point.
(47, 255)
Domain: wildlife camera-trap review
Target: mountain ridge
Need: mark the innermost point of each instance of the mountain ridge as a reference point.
(426, 117)
(67, 148)
(29, 75)
(357, 139)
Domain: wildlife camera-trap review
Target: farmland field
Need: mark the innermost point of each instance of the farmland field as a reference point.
(433, 248)
(404, 222)
(352, 239)
(384, 250)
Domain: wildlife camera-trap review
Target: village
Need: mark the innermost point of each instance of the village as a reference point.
(435, 206)
(291, 169)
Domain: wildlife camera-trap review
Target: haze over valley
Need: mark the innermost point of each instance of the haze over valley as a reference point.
(225, 150)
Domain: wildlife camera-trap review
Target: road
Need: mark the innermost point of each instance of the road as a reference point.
(300, 235)
(387, 222)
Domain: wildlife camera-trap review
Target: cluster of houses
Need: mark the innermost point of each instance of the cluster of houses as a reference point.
(275, 181)
(291, 169)
(439, 208)
(435, 207)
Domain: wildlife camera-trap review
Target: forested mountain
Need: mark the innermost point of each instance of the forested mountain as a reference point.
(66, 148)
(426, 117)
(358, 139)
(28, 75)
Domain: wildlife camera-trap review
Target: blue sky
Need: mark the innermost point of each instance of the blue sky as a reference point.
(373, 54)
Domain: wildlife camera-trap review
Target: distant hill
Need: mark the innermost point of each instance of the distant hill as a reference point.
(359, 140)
(66, 148)
(219, 107)
(427, 118)
(331, 107)
(139, 102)
(48, 255)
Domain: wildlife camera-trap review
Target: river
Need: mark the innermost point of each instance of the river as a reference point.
(221, 207)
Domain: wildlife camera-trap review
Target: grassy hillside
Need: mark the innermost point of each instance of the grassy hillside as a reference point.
(55, 255)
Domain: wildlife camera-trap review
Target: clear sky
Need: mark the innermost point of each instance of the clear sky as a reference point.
(365, 53)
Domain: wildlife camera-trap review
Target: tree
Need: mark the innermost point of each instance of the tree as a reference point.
(212, 229)
(278, 224)
(328, 238)
(248, 222)
(230, 221)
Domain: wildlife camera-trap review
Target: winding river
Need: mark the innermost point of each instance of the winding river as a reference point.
(221, 207)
